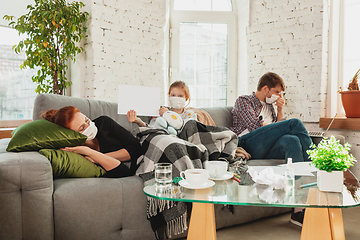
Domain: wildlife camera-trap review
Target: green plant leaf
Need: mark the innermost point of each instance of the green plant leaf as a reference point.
(329, 155)
(53, 28)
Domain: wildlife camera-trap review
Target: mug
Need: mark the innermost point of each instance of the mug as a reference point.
(217, 169)
(195, 176)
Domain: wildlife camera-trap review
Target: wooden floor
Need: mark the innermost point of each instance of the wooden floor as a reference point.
(279, 228)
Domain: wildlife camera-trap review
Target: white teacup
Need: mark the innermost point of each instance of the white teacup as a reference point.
(195, 176)
(217, 169)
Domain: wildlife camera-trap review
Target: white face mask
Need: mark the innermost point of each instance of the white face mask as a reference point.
(272, 99)
(177, 102)
(90, 131)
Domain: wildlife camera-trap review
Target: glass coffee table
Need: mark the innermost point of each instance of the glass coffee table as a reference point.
(323, 216)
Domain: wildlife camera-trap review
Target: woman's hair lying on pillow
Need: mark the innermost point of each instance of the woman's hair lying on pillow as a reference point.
(61, 117)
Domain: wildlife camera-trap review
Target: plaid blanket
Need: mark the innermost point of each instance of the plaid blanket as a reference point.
(195, 144)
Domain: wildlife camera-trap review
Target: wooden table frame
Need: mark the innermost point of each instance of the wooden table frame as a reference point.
(322, 223)
(319, 223)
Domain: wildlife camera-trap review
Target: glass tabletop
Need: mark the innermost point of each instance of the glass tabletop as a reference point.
(251, 194)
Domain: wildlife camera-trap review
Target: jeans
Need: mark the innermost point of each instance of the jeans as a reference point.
(280, 140)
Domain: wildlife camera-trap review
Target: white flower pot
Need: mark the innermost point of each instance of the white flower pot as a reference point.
(330, 181)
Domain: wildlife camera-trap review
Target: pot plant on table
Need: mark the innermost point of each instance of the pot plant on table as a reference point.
(331, 159)
(350, 99)
(53, 29)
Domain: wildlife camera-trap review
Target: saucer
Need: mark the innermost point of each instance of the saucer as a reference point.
(227, 176)
(185, 184)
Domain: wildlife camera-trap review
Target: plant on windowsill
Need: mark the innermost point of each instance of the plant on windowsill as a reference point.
(351, 98)
(53, 29)
(331, 159)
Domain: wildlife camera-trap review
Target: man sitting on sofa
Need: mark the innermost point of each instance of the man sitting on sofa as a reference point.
(262, 131)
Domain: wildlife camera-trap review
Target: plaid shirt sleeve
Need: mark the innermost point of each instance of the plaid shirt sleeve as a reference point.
(246, 114)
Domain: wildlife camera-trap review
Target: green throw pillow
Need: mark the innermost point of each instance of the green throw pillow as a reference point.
(68, 164)
(40, 134)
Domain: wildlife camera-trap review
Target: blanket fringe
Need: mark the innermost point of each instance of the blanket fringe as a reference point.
(177, 226)
(157, 205)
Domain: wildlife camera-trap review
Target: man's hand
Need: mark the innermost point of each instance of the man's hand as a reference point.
(240, 152)
(280, 102)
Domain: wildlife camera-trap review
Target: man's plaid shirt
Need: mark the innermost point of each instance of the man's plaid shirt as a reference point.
(246, 114)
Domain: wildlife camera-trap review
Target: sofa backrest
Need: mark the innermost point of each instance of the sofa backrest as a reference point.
(91, 108)
(222, 116)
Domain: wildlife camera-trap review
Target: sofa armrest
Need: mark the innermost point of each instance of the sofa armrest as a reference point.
(26, 187)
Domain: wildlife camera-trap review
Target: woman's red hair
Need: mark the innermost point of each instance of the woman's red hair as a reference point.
(61, 117)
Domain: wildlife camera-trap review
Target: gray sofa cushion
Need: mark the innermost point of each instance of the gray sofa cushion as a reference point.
(101, 208)
(26, 186)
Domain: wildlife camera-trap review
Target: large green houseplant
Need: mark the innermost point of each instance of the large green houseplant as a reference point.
(53, 29)
(351, 98)
(331, 159)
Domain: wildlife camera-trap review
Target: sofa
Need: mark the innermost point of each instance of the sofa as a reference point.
(34, 205)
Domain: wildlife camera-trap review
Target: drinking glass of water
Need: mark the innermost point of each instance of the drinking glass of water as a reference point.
(163, 173)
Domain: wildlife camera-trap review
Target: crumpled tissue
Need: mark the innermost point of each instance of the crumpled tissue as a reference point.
(268, 194)
(268, 177)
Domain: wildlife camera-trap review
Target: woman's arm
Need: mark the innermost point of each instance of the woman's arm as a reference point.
(129, 146)
(121, 155)
(106, 161)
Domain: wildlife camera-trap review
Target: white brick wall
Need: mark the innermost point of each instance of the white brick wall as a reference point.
(125, 45)
(286, 37)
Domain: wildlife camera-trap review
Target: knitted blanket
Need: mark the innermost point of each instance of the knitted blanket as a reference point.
(195, 144)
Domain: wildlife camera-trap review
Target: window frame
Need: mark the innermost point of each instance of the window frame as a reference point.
(228, 17)
(334, 23)
(13, 123)
(335, 59)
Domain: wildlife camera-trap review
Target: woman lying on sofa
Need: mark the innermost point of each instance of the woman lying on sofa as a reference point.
(108, 143)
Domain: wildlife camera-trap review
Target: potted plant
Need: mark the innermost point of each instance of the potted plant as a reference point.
(351, 98)
(53, 29)
(331, 159)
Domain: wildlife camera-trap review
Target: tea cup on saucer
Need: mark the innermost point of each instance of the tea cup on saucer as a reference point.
(195, 176)
(217, 169)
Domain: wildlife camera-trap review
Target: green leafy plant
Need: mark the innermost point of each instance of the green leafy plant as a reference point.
(329, 155)
(53, 27)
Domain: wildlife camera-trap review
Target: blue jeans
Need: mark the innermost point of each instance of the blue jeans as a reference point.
(280, 140)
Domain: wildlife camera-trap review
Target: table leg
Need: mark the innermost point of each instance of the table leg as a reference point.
(323, 224)
(337, 224)
(202, 222)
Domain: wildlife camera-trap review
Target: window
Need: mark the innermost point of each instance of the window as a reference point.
(17, 91)
(344, 58)
(203, 50)
(350, 41)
